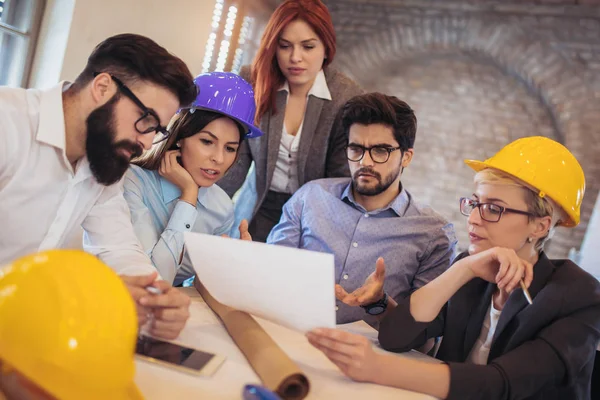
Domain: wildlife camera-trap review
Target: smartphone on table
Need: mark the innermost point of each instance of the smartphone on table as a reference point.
(181, 358)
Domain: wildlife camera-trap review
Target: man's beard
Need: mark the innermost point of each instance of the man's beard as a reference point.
(381, 186)
(107, 163)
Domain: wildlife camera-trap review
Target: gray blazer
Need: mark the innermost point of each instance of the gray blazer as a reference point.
(321, 148)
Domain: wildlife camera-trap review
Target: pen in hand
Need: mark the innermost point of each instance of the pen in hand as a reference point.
(525, 292)
(154, 291)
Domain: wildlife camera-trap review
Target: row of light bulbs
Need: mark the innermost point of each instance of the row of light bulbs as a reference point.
(225, 43)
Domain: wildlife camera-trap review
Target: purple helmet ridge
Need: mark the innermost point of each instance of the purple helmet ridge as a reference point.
(228, 94)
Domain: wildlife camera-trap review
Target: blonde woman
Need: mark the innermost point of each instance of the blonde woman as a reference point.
(495, 344)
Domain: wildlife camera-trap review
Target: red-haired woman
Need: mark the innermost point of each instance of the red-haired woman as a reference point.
(297, 97)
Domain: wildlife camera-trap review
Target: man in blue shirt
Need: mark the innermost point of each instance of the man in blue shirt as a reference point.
(370, 217)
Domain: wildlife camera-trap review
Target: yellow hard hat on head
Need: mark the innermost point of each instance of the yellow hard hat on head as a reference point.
(69, 325)
(545, 165)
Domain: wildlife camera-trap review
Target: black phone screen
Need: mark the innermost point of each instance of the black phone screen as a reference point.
(172, 353)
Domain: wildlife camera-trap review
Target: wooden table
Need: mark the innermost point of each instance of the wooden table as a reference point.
(205, 332)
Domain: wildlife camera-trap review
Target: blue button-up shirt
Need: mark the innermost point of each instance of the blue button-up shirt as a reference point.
(160, 218)
(416, 243)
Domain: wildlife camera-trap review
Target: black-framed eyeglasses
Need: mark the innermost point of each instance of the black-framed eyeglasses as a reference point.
(379, 154)
(487, 211)
(149, 121)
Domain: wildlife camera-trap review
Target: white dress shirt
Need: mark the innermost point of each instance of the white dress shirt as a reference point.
(481, 349)
(43, 201)
(285, 175)
(159, 219)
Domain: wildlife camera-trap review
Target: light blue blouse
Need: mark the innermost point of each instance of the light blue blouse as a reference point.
(159, 219)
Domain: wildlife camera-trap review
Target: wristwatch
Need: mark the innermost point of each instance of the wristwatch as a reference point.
(378, 307)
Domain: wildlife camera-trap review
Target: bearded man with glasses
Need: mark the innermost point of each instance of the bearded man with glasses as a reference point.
(64, 150)
(370, 223)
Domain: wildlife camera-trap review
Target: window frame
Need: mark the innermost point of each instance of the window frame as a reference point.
(30, 35)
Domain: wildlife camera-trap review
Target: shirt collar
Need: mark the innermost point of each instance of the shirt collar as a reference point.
(171, 192)
(51, 126)
(318, 89)
(399, 205)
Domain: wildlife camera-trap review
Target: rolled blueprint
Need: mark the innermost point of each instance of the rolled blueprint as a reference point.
(275, 369)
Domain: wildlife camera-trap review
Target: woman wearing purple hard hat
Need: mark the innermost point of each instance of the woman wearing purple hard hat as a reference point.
(170, 189)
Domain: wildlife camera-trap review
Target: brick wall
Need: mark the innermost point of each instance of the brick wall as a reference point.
(480, 74)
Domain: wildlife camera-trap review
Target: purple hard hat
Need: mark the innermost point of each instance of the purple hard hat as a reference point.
(228, 94)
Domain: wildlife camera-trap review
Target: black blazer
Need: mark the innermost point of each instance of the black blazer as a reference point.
(541, 351)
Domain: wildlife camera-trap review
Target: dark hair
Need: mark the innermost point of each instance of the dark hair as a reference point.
(184, 125)
(133, 58)
(378, 108)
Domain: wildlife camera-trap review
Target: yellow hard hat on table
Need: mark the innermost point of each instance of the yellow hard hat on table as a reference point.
(69, 325)
(545, 165)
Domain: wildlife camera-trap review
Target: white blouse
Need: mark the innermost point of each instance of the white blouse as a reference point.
(285, 176)
(481, 349)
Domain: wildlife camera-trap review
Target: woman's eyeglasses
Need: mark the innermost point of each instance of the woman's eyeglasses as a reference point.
(487, 211)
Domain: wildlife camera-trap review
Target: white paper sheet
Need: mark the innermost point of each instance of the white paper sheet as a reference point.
(291, 287)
